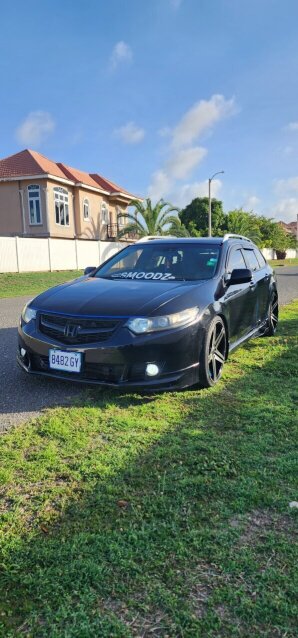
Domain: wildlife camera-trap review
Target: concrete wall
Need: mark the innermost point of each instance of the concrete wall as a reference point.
(24, 254)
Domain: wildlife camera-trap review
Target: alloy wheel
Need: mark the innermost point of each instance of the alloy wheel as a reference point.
(216, 350)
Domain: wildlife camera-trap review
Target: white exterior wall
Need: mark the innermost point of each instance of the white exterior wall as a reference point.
(24, 254)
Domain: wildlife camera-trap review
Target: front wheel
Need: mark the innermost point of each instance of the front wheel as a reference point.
(272, 319)
(214, 353)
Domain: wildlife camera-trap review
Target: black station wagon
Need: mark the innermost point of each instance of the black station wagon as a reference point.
(163, 313)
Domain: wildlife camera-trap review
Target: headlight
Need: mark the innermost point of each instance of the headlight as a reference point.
(28, 313)
(141, 325)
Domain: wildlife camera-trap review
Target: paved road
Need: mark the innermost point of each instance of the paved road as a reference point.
(23, 397)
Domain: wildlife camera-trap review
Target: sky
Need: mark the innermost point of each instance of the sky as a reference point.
(158, 95)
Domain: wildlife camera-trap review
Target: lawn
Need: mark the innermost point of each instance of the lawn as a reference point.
(167, 515)
(32, 283)
(283, 262)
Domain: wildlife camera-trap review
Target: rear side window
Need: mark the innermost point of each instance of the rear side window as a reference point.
(235, 260)
(251, 260)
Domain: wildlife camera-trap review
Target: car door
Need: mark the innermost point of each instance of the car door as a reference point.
(239, 299)
(260, 280)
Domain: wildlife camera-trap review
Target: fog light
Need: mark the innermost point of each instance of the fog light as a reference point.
(152, 369)
(23, 352)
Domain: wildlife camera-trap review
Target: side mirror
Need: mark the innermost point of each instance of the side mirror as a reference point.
(89, 270)
(240, 276)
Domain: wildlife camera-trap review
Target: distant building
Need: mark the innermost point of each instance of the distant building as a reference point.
(290, 228)
(42, 198)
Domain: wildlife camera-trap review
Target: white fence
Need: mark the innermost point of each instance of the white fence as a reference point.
(269, 253)
(24, 254)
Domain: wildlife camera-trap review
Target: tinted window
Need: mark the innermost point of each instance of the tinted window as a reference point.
(261, 259)
(236, 260)
(250, 258)
(162, 262)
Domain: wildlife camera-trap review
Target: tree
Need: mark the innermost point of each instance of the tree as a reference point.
(195, 217)
(152, 220)
(243, 223)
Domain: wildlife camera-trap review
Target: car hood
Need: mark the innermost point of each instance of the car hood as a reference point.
(106, 297)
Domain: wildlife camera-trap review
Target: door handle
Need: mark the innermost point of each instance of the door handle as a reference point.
(252, 284)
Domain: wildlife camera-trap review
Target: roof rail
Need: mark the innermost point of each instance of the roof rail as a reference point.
(150, 237)
(234, 236)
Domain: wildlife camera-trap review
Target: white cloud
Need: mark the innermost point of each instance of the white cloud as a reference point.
(251, 202)
(182, 163)
(35, 129)
(283, 186)
(184, 195)
(201, 117)
(121, 53)
(182, 157)
(130, 133)
(292, 126)
(286, 209)
(160, 186)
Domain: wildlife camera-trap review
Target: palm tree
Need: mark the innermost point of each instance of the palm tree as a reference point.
(152, 220)
(243, 223)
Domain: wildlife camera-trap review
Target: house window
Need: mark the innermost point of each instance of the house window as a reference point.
(61, 206)
(120, 219)
(34, 205)
(86, 210)
(104, 213)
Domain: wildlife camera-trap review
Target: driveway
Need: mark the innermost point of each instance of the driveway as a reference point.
(23, 397)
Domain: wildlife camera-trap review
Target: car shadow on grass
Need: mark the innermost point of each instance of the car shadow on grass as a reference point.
(163, 542)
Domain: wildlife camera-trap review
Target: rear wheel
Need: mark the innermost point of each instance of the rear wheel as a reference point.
(272, 320)
(213, 353)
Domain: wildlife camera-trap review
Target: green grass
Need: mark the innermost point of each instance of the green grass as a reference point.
(166, 515)
(283, 262)
(32, 283)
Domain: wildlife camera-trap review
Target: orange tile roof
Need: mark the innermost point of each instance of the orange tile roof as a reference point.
(29, 162)
(108, 185)
(78, 176)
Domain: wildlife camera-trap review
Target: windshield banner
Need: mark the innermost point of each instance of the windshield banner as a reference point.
(143, 275)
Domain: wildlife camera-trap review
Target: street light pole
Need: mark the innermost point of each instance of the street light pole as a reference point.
(209, 195)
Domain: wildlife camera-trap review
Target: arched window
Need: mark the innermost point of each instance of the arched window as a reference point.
(34, 205)
(86, 209)
(104, 213)
(61, 206)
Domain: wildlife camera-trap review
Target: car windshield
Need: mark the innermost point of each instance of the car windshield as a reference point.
(160, 262)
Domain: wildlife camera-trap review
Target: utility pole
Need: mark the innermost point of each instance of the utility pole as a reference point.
(209, 210)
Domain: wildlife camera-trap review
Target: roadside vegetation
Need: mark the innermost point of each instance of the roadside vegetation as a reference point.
(165, 515)
(283, 262)
(32, 283)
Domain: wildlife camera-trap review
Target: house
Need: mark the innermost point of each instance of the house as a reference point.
(291, 228)
(42, 198)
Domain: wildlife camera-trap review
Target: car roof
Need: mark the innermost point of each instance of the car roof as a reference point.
(195, 240)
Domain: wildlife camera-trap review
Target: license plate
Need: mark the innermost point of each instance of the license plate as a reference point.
(67, 361)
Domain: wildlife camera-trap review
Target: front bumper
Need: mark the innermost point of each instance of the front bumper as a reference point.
(122, 361)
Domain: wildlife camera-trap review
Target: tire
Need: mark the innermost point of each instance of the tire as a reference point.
(272, 320)
(214, 352)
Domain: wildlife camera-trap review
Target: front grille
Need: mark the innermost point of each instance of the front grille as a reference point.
(77, 330)
(90, 371)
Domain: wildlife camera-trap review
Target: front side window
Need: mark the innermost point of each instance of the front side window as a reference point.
(160, 262)
(86, 209)
(104, 213)
(236, 260)
(34, 205)
(251, 260)
(61, 206)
